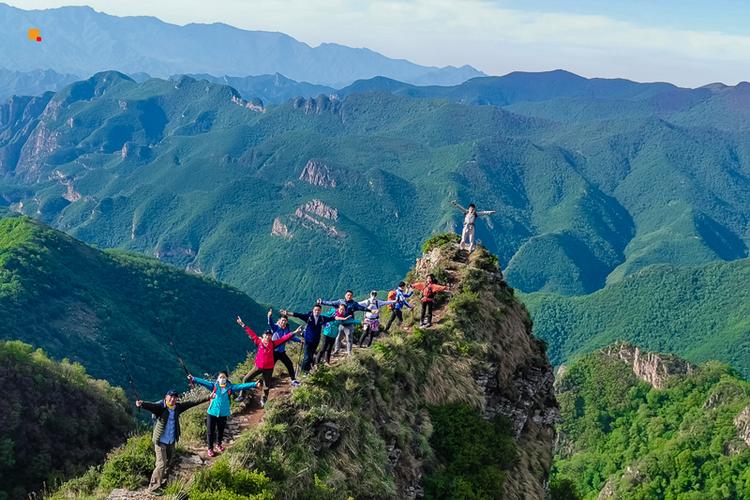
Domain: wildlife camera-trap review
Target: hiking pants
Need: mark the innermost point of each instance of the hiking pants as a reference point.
(467, 237)
(267, 379)
(284, 358)
(426, 316)
(328, 343)
(395, 314)
(215, 425)
(308, 359)
(164, 453)
(367, 333)
(348, 331)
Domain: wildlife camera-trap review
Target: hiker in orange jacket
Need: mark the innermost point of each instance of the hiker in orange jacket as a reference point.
(428, 288)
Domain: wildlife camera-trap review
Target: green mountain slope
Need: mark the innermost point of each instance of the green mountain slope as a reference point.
(55, 420)
(464, 409)
(624, 438)
(89, 306)
(263, 197)
(699, 313)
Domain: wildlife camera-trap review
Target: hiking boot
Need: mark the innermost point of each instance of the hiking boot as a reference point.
(157, 492)
(295, 383)
(211, 453)
(220, 448)
(263, 402)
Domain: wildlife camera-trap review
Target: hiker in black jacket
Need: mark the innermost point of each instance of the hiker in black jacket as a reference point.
(314, 325)
(166, 432)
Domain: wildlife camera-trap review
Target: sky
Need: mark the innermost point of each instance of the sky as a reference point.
(686, 42)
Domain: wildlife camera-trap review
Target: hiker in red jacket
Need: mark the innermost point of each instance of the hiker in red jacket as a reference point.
(264, 358)
(428, 289)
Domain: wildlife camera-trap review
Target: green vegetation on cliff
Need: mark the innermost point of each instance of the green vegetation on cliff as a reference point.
(623, 438)
(55, 420)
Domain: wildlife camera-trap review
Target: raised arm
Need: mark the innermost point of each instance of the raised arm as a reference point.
(283, 339)
(455, 204)
(302, 316)
(485, 212)
(271, 325)
(203, 382)
(330, 302)
(152, 407)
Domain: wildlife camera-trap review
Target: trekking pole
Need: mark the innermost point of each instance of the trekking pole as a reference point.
(182, 363)
(130, 379)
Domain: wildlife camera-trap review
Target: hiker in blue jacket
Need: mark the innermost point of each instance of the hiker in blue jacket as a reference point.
(400, 297)
(314, 325)
(279, 329)
(346, 329)
(219, 408)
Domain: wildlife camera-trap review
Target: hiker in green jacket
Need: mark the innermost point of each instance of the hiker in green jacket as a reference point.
(220, 407)
(166, 432)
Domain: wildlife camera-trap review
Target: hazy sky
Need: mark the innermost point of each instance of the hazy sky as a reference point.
(687, 42)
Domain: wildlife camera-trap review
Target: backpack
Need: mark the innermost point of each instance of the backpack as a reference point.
(229, 390)
(391, 296)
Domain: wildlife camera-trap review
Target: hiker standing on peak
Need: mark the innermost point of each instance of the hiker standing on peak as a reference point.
(314, 325)
(279, 329)
(331, 333)
(371, 326)
(400, 296)
(220, 407)
(470, 217)
(345, 329)
(264, 358)
(166, 433)
(428, 288)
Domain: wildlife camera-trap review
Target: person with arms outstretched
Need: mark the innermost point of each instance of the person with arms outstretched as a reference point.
(264, 358)
(346, 329)
(314, 325)
(400, 296)
(220, 407)
(331, 332)
(166, 433)
(279, 329)
(428, 288)
(371, 326)
(470, 217)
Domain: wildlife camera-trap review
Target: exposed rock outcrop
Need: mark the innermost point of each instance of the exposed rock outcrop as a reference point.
(742, 422)
(318, 173)
(653, 368)
(280, 229)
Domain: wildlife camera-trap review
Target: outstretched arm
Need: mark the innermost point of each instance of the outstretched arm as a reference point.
(245, 385)
(455, 204)
(250, 332)
(186, 405)
(152, 407)
(288, 336)
(485, 212)
(203, 382)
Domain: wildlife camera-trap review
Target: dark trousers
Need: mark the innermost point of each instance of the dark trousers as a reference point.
(328, 343)
(367, 336)
(216, 426)
(426, 316)
(395, 314)
(267, 379)
(308, 359)
(284, 358)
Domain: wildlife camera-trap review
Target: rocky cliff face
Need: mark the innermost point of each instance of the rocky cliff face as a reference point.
(363, 427)
(653, 368)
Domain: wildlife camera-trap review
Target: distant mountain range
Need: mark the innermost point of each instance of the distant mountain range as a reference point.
(81, 41)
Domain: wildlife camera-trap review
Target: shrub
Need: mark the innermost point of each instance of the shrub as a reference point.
(224, 481)
(471, 452)
(130, 465)
(439, 240)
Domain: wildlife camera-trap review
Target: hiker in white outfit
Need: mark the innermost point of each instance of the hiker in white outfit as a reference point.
(467, 235)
